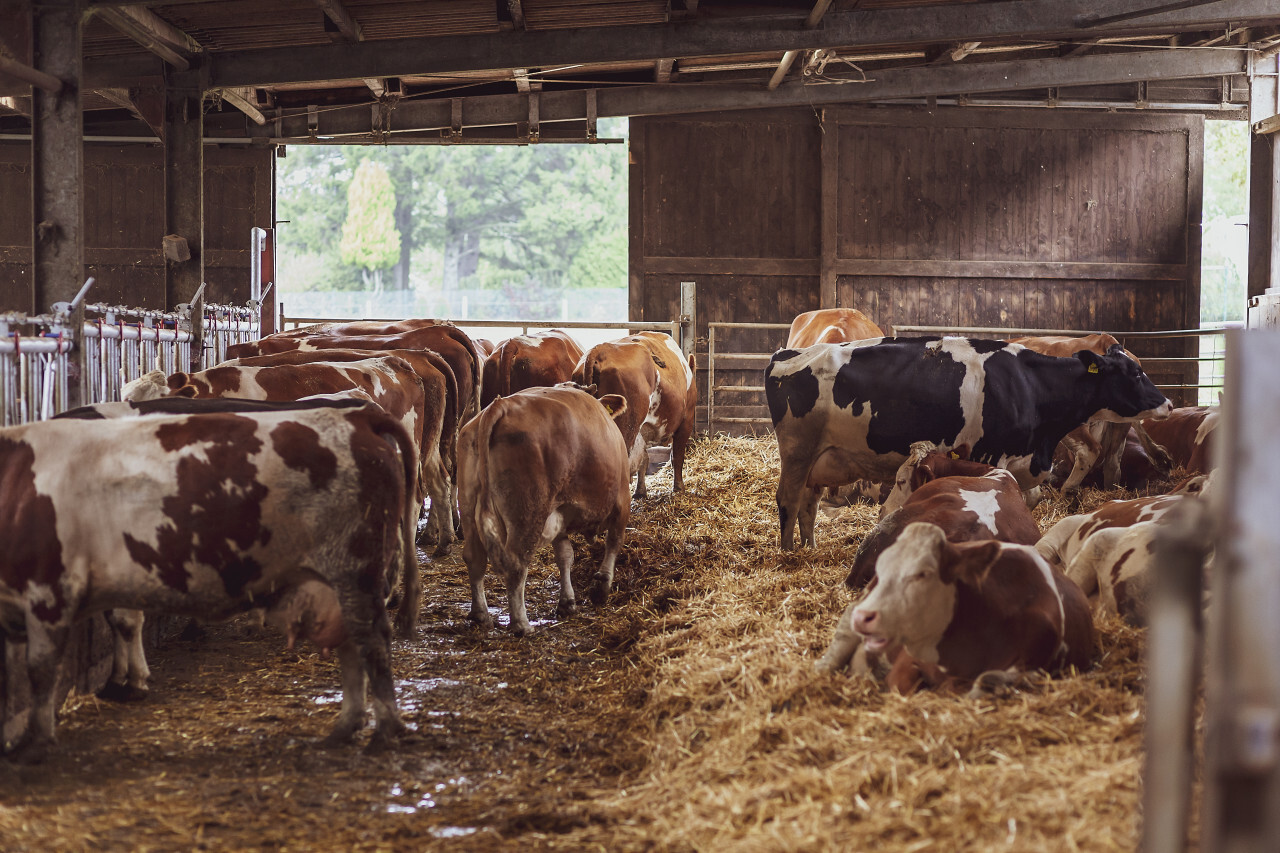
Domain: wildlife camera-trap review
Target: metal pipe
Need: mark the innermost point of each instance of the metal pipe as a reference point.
(27, 74)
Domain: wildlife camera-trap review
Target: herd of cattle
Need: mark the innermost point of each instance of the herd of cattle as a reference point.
(291, 479)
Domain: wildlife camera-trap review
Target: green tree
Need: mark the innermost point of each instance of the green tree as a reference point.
(370, 239)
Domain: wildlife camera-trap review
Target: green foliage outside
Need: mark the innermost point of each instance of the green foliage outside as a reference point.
(533, 218)
(1225, 235)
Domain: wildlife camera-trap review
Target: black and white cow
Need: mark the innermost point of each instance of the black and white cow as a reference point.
(301, 512)
(851, 411)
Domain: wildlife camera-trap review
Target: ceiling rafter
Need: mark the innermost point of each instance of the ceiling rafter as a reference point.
(920, 81)
(1011, 19)
(154, 33)
(338, 16)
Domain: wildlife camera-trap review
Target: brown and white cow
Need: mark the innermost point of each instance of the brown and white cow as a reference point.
(831, 326)
(300, 512)
(1115, 565)
(534, 467)
(657, 381)
(987, 504)
(926, 462)
(541, 359)
(948, 614)
(387, 379)
(1186, 435)
(446, 339)
(1097, 442)
(1063, 541)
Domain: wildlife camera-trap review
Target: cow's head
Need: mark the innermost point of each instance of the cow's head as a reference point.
(149, 386)
(1123, 392)
(914, 598)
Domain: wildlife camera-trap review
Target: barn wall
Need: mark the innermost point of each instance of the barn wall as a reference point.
(955, 217)
(124, 222)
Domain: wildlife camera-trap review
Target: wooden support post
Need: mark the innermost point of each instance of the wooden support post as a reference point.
(1241, 801)
(1264, 224)
(830, 154)
(184, 196)
(57, 155)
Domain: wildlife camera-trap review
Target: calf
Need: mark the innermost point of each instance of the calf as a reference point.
(1064, 540)
(300, 512)
(529, 361)
(1185, 434)
(987, 506)
(831, 326)
(847, 411)
(650, 372)
(534, 467)
(952, 613)
(1115, 564)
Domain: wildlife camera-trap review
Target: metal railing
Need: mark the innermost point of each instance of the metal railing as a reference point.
(1207, 387)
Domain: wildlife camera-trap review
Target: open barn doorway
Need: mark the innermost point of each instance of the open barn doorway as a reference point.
(1224, 259)
(463, 232)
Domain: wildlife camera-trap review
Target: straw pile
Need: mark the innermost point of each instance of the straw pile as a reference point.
(685, 715)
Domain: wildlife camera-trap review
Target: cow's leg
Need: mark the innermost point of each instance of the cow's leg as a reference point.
(639, 462)
(516, 571)
(375, 650)
(564, 559)
(1159, 456)
(129, 670)
(407, 614)
(1111, 450)
(440, 521)
(352, 716)
(792, 493)
(679, 444)
(604, 577)
(45, 647)
(843, 645)
(1084, 450)
(477, 560)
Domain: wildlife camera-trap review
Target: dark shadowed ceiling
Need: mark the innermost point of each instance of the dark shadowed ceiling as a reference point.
(426, 71)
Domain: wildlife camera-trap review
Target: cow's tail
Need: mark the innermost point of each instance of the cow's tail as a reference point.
(477, 372)
(489, 524)
(393, 432)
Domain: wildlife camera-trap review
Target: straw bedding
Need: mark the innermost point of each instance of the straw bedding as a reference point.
(685, 715)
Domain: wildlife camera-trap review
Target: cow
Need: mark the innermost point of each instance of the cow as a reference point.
(534, 467)
(847, 411)
(301, 512)
(446, 339)
(657, 381)
(1098, 441)
(1137, 470)
(987, 504)
(948, 615)
(1115, 565)
(926, 462)
(415, 398)
(831, 326)
(1060, 544)
(529, 361)
(1185, 434)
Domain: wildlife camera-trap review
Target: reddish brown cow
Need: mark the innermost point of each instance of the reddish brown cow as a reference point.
(450, 342)
(542, 359)
(952, 614)
(1097, 441)
(1185, 434)
(988, 506)
(1065, 539)
(535, 467)
(831, 326)
(1136, 468)
(924, 463)
(652, 375)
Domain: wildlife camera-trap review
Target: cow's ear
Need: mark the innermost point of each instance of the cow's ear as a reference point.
(185, 391)
(921, 474)
(614, 404)
(176, 381)
(968, 562)
(960, 451)
(1091, 360)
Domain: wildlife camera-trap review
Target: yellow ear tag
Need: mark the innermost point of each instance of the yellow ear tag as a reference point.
(1093, 368)
(955, 455)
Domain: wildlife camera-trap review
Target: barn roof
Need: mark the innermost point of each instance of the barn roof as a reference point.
(470, 70)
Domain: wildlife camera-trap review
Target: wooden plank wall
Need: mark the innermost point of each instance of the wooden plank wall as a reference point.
(952, 217)
(124, 222)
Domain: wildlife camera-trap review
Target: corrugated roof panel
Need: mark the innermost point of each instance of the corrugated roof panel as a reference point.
(566, 14)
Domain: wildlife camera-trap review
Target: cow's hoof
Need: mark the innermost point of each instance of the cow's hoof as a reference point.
(29, 752)
(993, 682)
(114, 691)
(442, 550)
(565, 609)
(385, 737)
(481, 620)
(599, 595)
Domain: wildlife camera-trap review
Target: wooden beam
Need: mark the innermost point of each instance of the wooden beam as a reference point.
(154, 33)
(524, 83)
(780, 73)
(243, 100)
(815, 14)
(184, 192)
(961, 50)
(31, 76)
(560, 106)
(517, 13)
(377, 85)
(662, 70)
(57, 170)
(341, 19)
(1018, 19)
(145, 105)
